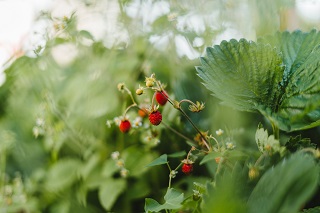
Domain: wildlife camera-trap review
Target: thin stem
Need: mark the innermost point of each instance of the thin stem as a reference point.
(131, 96)
(170, 176)
(196, 128)
(260, 159)
(219, 168)
(134, 104)
(178, 107)
(216, 142)
(189, 153)
(275, 129)
(129, 107)
(152, 101)
(187, 101)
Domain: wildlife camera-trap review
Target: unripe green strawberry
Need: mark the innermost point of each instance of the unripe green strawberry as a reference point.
(161, 97)
(155, 118)
(125, 126)
(253, 173)
(187, 168)
(139, 91)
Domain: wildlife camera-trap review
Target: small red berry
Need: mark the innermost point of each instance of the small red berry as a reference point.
(125, 126)
(187, 168)
(155, 118)
(161, 97)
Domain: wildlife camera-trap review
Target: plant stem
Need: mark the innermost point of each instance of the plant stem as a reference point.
(187, 101)
(131, 96)
(129, 107)
(170, 178)
(196, 128)
(275, 129)
(172, 102)
(260, 159)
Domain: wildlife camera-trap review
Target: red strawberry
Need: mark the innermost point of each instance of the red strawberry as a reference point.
(125, 126)
(187, 168)
(155, 117)
(161, 97)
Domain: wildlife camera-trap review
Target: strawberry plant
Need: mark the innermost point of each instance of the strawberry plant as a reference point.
(91, 125)
(266, 77)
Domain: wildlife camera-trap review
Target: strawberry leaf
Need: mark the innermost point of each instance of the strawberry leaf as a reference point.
(110, 190)
(163, 159)
(278, 76)
(284, 188)
(173, 200)
(242, 74)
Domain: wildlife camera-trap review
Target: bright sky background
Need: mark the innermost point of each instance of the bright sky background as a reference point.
(17, 21)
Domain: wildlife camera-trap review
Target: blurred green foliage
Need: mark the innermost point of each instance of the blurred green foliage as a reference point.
(55, 147)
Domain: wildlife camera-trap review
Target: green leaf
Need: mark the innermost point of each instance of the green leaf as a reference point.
(313, 210)
(227, 192)
(89, 165)
(163, 159)
(86, 34)
(297, 143)
(152, 205)
(173, 200)
(243, 74)
(177, 154)
(138, 189)
(110, 191)
(135, 160)
(277, 76)
(210, 157)
(286, 187)
(109, 168)
(66, 168)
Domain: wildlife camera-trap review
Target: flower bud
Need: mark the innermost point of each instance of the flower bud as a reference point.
(149, 83)
(253, 173)
(139, 91)
(121, 86)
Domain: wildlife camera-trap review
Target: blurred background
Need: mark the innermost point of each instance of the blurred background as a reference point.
(60, 63)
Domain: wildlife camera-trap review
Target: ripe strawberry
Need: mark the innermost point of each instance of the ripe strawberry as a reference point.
(187, 168)
(161, 97)
(125, 126)
(155, 117)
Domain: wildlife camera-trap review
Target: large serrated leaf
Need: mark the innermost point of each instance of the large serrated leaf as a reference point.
(278, 76)
(286, 187)
(243, 74)
(299, 103)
